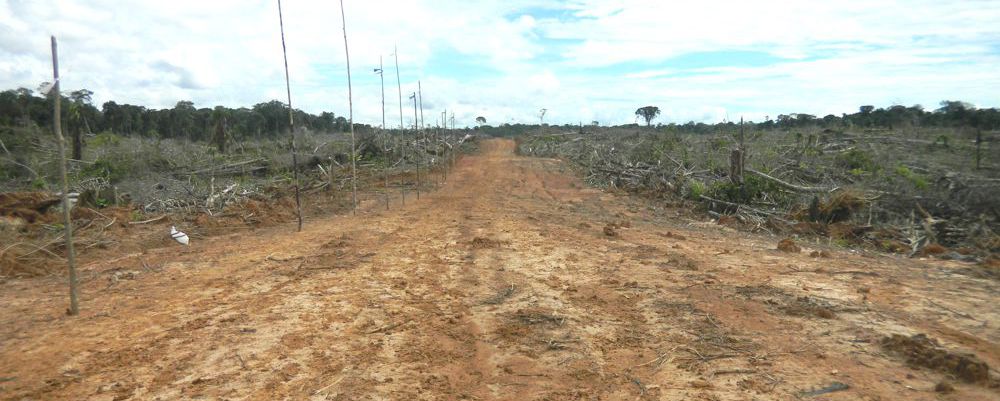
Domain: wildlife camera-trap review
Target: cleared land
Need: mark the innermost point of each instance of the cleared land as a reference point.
(512, 281)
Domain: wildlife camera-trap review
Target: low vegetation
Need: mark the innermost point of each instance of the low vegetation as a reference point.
(898, 179)
(137, 164)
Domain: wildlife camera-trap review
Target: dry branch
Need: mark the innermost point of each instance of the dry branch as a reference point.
(790, 186)
(148, 221)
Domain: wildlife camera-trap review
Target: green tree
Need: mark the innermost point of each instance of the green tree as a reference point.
(180, 120)
(78, 122)
(956, 112)
(220, 115)
(481, 120)
(648, 113)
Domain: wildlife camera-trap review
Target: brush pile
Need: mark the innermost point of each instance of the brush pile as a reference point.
(889, 190)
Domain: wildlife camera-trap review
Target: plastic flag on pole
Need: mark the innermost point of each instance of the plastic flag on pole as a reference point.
(46, 87)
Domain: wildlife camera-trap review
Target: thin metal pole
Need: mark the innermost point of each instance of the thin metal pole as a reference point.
(455, 153)
(444, 134)
(402, 140)
(350, 111)
(291, 120)
(420, 99)
(74, 305)
(385, 145)
(415, 121)
(381, 78)
(423, 133)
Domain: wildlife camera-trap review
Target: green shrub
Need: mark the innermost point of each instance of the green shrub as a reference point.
(112, 170)
(719, 143)
(856, 159)
(39, 184)
(917, 180)
(753, 188)
(105, 138)
(695, 189)
(664, 144)
(942, 141)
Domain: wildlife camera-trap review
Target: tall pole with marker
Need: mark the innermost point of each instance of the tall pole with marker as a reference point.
(423, 133)
(74, 305)
(385, 146)
(291, 120)
(402, 141)
(448, 151)
(420, 100)
(415, 128)
(350, 110)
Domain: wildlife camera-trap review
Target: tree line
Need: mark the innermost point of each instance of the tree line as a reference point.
(23, 108)
(951, 113)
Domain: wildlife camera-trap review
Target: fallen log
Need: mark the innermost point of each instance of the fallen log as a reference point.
(788, 185)
(228, 168)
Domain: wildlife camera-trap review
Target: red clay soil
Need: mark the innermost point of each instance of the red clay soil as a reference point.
(502, 284)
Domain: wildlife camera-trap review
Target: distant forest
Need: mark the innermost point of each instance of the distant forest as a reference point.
(23, 108)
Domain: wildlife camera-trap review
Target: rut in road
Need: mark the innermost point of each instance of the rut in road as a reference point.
(502, 284)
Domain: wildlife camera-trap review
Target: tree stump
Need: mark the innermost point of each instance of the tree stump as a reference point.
(736, 159)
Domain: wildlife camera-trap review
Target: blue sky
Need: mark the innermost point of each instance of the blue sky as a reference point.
(582, 60)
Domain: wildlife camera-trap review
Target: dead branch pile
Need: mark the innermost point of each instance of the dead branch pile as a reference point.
(887, 191)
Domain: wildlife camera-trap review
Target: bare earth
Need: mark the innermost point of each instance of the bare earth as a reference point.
(500, 285)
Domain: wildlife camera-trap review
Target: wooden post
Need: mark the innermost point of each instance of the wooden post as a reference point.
(736, 166)
(737, 158)
(350, 110)
(74, 305)
(979, 146)
(741, 134)
(291, 121)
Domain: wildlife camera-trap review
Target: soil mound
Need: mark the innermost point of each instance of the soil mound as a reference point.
(922, 351)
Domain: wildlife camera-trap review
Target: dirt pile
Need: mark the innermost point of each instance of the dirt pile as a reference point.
(788, 245)
(820, 254)
(922, 351)
(610, 231)
(988, 268)
(28, 206)
(839, 207)
(808, 307)
(485, 243)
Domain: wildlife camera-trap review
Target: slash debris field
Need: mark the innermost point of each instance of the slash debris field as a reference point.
(515, 281)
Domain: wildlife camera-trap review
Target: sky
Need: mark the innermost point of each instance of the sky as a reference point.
(581, 60)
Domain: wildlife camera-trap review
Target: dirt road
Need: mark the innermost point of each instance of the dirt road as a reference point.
(512, 281)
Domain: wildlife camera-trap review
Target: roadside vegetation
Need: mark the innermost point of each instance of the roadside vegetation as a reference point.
(900, 179)
(186, 166)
